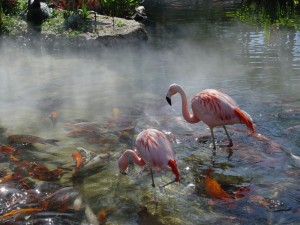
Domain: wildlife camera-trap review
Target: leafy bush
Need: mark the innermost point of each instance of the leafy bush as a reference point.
(120, 8)
(9, 6)
(267, 10)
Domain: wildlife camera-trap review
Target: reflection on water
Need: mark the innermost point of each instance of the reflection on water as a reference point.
(105, 98)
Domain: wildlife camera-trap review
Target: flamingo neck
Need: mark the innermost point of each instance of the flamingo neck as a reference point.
(189, 117)
(124, 159)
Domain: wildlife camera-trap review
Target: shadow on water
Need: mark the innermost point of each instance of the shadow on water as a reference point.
(105, 96)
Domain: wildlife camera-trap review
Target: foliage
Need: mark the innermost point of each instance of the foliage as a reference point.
(119, 23)
(267, 11)
(120, 8)
(9, 6)
(70, 17)
(10, 22)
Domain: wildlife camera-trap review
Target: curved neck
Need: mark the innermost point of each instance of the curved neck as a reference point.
(123, 160)
(189, 117)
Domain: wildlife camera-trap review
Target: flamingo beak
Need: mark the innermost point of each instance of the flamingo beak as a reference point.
(169, 100)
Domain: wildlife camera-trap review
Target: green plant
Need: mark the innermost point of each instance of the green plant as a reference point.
(266, 10)
(120, 8)
(84, 11)
(120, 23)
(9, 6)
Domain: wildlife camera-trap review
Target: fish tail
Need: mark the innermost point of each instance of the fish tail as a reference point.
(173, 165)
(245, 118)
(208, 171)
(52, 141)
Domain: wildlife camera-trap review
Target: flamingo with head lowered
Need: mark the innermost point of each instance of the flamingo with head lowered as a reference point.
(153, 149)
(214, 108)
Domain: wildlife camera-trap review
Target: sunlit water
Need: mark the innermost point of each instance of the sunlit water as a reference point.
(192, 44)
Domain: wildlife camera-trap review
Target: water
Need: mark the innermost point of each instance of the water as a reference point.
(191, 43)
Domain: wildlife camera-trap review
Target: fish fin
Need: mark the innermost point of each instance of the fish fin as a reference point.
(245, 118)
(173, 165)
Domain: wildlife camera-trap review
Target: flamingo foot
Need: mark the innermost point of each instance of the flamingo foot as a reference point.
(171, 182)
(230, 144)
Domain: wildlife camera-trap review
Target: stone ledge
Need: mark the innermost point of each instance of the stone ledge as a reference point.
(104, 34)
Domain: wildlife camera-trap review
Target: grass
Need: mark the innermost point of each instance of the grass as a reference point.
(64, 22)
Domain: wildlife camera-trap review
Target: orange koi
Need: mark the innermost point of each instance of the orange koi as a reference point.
(103, 213)
(78, 132)
(79, 160)
(30, 139)
(19, 213)
(214, 189)
(37, 171)
(42, 173)
(8, 150)
(11, 177)
(53, 116)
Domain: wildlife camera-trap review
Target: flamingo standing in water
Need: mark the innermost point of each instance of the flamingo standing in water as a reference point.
(214, 108)
(152, 149)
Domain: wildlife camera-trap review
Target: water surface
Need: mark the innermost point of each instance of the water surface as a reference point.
(194, 44)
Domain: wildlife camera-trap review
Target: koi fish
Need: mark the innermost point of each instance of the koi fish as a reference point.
(79, 160)
(91, 164)
(61, 200)
(11, 177)
(104, 213)
(30, 139)
(53, 116)
(20, 213)
(7, 150)
(37, 171)
(214, 189)
(80, 132)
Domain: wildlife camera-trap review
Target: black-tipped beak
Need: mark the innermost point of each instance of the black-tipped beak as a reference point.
(169, 100)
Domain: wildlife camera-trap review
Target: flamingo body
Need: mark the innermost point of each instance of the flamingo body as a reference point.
(152, 149)
(213, 107)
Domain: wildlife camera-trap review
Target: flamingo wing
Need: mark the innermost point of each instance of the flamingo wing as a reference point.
(154, 148)
(215, 108)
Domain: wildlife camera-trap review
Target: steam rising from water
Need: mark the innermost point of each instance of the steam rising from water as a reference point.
(89, 84)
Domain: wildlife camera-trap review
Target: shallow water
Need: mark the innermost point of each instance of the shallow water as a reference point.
(193, 44)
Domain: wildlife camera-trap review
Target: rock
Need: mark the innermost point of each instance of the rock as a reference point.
(103, 34)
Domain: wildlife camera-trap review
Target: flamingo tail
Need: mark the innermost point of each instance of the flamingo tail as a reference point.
(173, 165)
(245, 118)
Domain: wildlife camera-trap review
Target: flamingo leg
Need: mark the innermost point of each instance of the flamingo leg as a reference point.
(151, 172)
(213, 138)
(229, 139)
(171, 182)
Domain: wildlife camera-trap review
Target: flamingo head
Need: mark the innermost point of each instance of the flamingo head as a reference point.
(173, 89)
(123, 164)
(173, 165)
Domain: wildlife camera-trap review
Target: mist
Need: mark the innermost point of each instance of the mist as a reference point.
(89, 84)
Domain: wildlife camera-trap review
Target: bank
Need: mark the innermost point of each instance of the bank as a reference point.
(95, 31)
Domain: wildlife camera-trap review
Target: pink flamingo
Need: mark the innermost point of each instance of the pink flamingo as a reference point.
(152, 149)
(214, 108)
